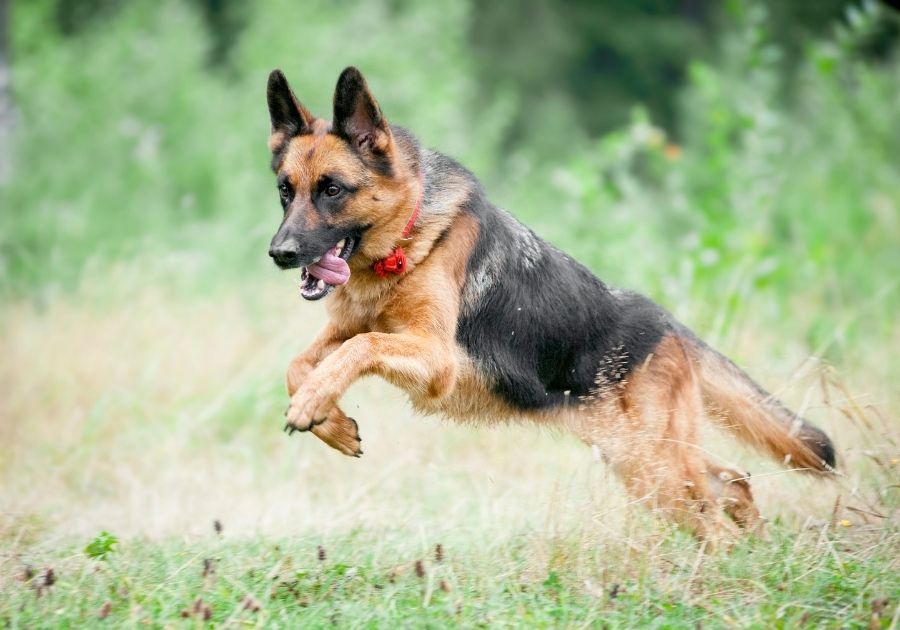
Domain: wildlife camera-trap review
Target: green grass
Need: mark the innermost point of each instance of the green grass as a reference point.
(822, 577)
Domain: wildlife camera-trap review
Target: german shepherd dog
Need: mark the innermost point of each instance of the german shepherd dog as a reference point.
(475, 317)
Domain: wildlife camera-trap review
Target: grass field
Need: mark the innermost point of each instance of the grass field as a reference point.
(153, 415)
(144, 334)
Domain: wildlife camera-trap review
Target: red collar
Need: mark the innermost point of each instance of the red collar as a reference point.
(395, 262)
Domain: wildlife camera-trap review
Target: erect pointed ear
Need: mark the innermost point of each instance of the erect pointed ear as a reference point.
(289, 117)
(357, 116)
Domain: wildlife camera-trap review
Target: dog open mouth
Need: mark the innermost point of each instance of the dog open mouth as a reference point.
(322, 276)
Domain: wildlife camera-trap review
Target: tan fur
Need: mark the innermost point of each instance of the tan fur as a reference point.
(402, 328)
(756, 419)
(732, 490)
(647, 429)
(398, 328)
(337, 430)
(369, 307)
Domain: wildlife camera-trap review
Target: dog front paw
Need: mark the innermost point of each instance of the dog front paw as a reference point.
(308, 408)
(340, 432)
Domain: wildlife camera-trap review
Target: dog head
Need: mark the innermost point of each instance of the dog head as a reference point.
(341, 186)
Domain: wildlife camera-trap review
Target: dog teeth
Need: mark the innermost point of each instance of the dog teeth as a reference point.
(340, 247)
(320, 284)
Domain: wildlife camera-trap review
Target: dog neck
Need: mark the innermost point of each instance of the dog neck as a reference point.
(395, 264)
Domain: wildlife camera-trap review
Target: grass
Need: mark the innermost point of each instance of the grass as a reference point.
(816, 577)
(161, 415)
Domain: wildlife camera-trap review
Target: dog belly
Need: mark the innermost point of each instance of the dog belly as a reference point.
(471, 400)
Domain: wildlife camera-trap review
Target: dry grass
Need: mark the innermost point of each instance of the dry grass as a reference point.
(152, 415)
(157, 416)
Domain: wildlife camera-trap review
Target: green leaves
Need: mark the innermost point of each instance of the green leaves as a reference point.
(101, 546)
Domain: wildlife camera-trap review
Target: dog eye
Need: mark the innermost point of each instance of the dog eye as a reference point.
(332, 190)
(284, 191)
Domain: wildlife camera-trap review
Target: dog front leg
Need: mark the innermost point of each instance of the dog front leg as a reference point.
(421, 365)
(337, 430)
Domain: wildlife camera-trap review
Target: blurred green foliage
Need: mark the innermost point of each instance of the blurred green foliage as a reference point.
(140, 140)
(101, 545)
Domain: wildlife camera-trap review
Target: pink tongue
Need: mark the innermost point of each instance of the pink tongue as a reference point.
(332, 269)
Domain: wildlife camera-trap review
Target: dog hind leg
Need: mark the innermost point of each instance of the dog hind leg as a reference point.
(732, 490)
(647, 427)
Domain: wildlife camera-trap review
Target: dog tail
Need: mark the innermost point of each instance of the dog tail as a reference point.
(738, 404)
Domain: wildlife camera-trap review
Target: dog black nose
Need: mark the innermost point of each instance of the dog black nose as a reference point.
(285, 254)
